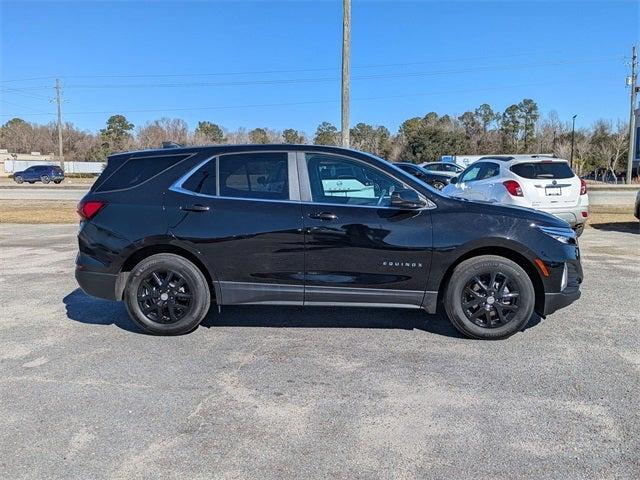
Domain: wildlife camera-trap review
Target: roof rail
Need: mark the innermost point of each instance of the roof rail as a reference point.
(171, 145)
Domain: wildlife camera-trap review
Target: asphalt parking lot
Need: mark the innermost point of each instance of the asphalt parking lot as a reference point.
(275, 392)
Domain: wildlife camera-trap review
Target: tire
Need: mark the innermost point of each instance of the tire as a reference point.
(18, 179)
(438, 185)
(579, 229)
(143, 287)
(45, 179)
(57, 181)
(500, 314)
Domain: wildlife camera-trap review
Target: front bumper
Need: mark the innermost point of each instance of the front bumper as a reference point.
(556, 301)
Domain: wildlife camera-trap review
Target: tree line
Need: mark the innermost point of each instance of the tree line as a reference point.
(518, 129)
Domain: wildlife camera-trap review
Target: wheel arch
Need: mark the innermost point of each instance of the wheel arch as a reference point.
(138, 255)
(505, 252)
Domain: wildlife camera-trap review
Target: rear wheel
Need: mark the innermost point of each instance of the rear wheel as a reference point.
(18, 179)
(166, 294)
(437, 184)
(489, 297)
(45, 179)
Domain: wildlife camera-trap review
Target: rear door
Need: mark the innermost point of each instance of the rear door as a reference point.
(242, 213)
(548, 184)
(360, 249)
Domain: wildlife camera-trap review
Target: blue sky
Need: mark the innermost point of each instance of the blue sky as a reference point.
(277, 64)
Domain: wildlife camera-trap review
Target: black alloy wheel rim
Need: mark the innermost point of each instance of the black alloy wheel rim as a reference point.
(491, 299)
(165, 296)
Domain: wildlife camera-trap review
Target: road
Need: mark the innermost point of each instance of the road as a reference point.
(612, 197)
(43, 193)
(32, 192)
(289, 393)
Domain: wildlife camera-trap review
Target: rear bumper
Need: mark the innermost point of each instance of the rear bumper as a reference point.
(96, 284)
(573, 216)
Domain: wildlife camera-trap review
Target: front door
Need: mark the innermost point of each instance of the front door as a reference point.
(359, 249)
(243, 215)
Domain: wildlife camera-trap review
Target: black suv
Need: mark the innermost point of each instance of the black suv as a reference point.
(169, 231)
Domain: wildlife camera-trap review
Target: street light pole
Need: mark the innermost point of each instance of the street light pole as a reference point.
(573, 137)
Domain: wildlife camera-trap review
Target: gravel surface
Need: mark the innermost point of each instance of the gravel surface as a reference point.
(284, 392)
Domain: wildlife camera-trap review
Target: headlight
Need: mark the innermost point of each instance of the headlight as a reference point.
(563, 235)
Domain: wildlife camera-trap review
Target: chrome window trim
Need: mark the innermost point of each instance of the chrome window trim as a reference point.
(177, 185)
(301, 178)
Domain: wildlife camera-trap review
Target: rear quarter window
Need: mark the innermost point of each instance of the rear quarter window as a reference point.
(138, 170)
(543, 170)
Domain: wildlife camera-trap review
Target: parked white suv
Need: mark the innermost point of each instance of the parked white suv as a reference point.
(542, 183)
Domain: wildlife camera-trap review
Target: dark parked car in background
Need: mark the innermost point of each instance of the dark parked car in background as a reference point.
(40, 173)
(436, 180)
(172, 231)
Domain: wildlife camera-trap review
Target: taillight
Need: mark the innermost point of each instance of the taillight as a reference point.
(513, 188)
(88, 210)
(583, 187)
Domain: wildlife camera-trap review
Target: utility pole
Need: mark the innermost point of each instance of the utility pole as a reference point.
(573, 137)
(346, 53)
(58, 101)
(632, 114)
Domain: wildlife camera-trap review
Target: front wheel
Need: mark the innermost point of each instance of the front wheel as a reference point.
(57, 181)
(166, 294)
(489, 297)
(437, 184)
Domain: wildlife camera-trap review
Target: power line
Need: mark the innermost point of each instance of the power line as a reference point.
(331, 79)
(266, 72)
(310, 102)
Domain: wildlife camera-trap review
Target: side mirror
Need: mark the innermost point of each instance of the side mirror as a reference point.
(406, 198)
(453, 181)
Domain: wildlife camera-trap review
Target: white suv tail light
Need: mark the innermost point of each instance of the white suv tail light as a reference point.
(513, 188)
(583, 187)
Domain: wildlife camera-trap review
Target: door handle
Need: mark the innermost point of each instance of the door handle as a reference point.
(323, 216)
(196, 208)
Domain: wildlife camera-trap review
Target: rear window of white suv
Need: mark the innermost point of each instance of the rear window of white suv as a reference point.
(543, 170)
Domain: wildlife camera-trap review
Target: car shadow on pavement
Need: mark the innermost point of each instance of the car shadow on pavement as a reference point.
(94, 311)
(625, 227)
(328, 317)
(86, 309)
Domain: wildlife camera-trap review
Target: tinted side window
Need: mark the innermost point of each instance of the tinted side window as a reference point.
(488, 170)
(543, 170)
(343, 181)
(255, 175)
(203, 181)
(137, 170)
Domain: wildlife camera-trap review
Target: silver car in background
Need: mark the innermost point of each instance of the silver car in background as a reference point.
(541, 183)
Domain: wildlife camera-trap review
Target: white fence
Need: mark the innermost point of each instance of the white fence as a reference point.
(11, 166)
